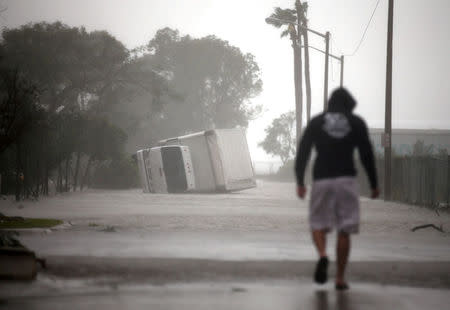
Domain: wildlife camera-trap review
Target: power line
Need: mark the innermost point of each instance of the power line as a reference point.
(365, 31)
(362, 37)
(337, 46)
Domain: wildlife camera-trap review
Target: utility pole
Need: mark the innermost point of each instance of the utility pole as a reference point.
(327, 60)
(340, 59)
(326, 36)
(388, 108)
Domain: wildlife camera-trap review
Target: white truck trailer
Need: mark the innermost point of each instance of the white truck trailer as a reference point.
(220, 158)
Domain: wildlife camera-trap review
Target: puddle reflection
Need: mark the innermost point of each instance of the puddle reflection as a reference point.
(339, 301)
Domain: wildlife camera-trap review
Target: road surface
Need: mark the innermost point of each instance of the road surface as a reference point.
(187, 243)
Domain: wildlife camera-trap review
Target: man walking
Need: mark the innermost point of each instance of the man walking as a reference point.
(335, 134)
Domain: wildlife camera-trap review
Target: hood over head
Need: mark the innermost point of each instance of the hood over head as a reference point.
(341, 101)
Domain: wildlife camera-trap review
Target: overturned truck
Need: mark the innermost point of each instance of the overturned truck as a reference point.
(207, 161)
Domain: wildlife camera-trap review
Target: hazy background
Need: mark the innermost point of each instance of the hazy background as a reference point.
(421, 95)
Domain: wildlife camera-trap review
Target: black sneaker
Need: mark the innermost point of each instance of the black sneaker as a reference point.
(342, 287)
(320, 275)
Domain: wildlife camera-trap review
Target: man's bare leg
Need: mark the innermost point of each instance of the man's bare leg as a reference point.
(342, 251)
(320, 241)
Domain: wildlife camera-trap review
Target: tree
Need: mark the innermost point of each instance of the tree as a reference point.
(19, 113)
(80, 76)
(140, 101)
(291, 15)
(77, 69)
(83, 77)
(214, 81)
(44, 53)
(280, 137)
(102, 141)
(18, 104)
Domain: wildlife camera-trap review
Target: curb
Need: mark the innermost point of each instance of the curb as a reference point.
(168, 270)
(18, 263)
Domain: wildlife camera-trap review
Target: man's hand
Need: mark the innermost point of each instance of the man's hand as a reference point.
(375, 193)
(301, 191)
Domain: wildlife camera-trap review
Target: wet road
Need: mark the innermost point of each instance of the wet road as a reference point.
(275, 295)
(192, 248)
(267, 222)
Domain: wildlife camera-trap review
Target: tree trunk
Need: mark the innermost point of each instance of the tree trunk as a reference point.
(18, 172)
(59, 182)
(297, 137)
(46, 175)
(300, 90)
(37, 182)
(66, 187)
(77, 167)
(86, 173)
(307, 76)
(25, 174)
(301, 15)
(299, 103)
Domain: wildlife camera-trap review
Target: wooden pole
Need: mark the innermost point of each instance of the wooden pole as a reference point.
(388, 108)
(327, 59)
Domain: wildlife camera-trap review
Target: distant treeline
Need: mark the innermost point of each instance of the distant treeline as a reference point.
(75, 104)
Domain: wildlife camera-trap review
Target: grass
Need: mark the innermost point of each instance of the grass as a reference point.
(109, 229)
(16, 223)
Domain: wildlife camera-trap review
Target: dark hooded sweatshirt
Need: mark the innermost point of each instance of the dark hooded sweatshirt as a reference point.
(335, 134)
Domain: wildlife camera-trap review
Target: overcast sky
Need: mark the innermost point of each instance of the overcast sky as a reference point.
(421, 90)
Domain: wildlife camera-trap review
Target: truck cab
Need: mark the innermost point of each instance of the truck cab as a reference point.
(168, 169)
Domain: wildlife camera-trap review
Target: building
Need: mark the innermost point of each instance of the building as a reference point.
(403, 140)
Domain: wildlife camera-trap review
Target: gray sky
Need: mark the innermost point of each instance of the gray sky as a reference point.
(421, 90)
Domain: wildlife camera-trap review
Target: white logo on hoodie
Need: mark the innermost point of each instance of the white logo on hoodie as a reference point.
(336, 125)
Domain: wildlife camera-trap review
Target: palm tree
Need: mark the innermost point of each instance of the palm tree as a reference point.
(302, 10)
(291, 15)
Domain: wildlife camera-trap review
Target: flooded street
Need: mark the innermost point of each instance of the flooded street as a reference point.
(165, 251)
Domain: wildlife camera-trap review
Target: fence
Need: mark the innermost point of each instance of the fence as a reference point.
(422, 180)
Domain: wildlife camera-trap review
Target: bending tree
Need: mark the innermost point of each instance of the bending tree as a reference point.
(214, 80)
(291, 15)
(82, 76)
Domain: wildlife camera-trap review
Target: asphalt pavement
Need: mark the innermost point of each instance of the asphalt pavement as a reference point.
(233, 295)
(238, 250)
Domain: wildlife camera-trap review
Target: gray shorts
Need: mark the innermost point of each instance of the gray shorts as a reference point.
(335, 203)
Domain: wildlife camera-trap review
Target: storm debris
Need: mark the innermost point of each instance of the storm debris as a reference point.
(428, 226)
